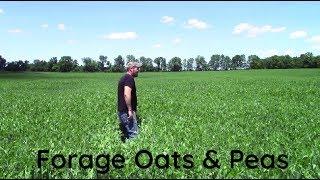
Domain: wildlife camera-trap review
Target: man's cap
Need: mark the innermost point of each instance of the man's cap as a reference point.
(133, 64)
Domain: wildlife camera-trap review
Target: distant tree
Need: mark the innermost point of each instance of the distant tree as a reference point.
(66, 64)
(149, 65)
(11, 66)
(184, 64)
(201, 64)
(267, 63)
(158, 62)
(2, 63)
(245, 62)
(255, 62)
(214, 62)
(118, 64)
(146, 64)
(317, 61)
(24, 65)
(190, 62)
(287, 61)
(90, 65)
(75, 66)
(131, 58)
(252, 57)
(237, 61)
(274, 62)
(224, 62)
(175, 64)
(39, 65)
(296, 62)
(17, 66)
(163, 64)
(227, 62)
(307, 60)
(55, 68)
(242, 63)
(108, 66)
(52, 62)
(143, 61)
(102, 63)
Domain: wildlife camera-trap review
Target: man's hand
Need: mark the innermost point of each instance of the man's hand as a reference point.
(130, 114)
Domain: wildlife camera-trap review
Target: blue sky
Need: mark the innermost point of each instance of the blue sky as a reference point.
(41, 30)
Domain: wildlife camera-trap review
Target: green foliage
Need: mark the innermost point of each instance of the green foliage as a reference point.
(175, 64)
(163, 64)
(237, 61)
(52, 62)
(201, 64)
(255, 62)
(118, 64)
(190, 63)
(39, 65)
(257, 111)
(103, 61)
(216, 62)
(91, 65)
(66, 64)
(131, 58)
(225, 62)
(159, 62)
(17, 66)
(2, 63)
(306, 60)
(146, 64)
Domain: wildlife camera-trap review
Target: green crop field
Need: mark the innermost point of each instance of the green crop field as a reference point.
(271, 116)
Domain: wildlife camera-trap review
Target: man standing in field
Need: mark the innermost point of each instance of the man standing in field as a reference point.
(127, 101)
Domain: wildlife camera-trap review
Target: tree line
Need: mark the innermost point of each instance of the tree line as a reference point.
(216, 62)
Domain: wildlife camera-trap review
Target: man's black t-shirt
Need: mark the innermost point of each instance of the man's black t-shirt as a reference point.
(126, 80)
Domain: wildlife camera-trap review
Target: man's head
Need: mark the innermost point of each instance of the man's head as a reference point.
(133, 68)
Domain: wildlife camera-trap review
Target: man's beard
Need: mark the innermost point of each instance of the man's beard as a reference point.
(135, 74)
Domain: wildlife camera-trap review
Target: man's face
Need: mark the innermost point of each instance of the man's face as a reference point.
(135, 71)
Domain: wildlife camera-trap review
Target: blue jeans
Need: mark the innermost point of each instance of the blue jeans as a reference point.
(129, 126)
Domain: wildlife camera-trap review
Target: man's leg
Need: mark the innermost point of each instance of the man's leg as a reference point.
(122, 135)
(133, 126)
(123, 118)
(130, 126)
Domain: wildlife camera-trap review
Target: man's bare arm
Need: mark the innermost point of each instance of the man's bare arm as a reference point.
(127, 97)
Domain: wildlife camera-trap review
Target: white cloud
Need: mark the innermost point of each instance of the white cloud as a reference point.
(44, 26)
(121, 35)
(1, 11)
(176, 41)
(289, 52)
(316, 47)
(298, 34)
(241, 28)
(70, 41)
(157, 46)
(167, 19)
(100, 51)
(315, 39)
(61, 27)
(280, 29)
(15, 31)
(253, 31)
(195, 23)
(271, 52)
